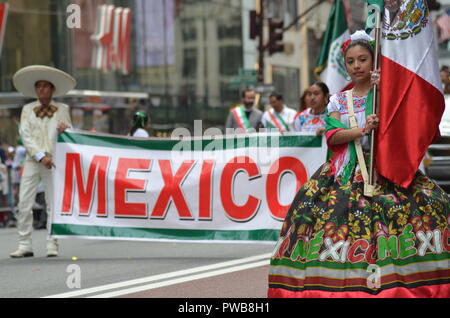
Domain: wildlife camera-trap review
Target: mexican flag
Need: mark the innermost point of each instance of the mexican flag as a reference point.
(411, 98)
(330, 65)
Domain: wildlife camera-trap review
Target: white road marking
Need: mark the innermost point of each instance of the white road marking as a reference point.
(181, 280)
(125, 284)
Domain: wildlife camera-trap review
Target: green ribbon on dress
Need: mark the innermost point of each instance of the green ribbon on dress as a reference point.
(333, 123)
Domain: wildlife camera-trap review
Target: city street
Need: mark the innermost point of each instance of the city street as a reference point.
(134, 269)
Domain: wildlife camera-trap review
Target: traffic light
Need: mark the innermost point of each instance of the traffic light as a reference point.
(275, 36)
(255, 25)
(434, 5)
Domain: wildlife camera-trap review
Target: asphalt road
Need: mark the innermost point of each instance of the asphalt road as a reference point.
(106, 269)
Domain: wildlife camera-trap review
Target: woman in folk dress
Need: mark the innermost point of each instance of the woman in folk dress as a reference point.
(337, 242)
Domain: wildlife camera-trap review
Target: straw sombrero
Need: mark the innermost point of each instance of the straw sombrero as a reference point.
(25, 79)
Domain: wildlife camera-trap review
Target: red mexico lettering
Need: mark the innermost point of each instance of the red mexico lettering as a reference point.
(359, 244)
(230, 171)
(172, 190)
(446, 239)
(98, 167)
(205, 193)
(123, 185)
(278, 169)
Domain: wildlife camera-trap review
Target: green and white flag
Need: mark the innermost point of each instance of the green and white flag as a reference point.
(373, 7)
(330, 65)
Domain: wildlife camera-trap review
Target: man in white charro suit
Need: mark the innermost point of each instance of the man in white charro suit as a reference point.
(40, 123)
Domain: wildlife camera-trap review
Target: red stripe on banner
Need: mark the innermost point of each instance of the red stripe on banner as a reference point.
(410, 112)
(434, 291)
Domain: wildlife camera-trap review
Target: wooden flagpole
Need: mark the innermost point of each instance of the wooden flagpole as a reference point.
(375, 101)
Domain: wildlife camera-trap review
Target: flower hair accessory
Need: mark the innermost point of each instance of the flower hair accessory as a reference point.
(359, 35)
(345, 45)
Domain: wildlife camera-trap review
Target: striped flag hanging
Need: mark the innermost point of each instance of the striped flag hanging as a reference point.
(330, 65)
(410, 89)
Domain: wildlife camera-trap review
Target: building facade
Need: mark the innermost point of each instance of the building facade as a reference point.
(182, 56)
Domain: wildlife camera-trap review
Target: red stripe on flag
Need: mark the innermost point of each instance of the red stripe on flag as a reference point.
(410, 112)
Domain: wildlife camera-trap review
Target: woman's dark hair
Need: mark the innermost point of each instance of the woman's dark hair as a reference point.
(140, 119)
(276, 95)
(323, 87)
(364, 43)
(303, 105)
(245, 91)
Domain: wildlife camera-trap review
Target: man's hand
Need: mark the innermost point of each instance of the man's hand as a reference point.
(47, 162)
(62, 128)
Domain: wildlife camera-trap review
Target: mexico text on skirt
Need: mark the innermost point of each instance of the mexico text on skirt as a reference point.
(335, 242)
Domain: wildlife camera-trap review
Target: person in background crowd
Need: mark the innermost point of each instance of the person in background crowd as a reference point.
(40, 123)
(245, 116)
(2, 155)
(313, 118)
(279, 116)
(445, 78)
(138, 127)
(304, 101)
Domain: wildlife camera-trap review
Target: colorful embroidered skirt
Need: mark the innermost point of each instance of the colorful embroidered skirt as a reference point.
(335, 242)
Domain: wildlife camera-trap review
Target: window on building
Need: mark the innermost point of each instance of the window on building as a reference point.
(230, 29)
(231, 60)
(286, 10)
(188, 30)
(287, 82)
(229, 95)
(190, 62)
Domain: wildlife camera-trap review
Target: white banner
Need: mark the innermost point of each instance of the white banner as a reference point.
(231, 188)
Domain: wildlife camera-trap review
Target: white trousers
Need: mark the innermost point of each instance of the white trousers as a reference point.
(33, 174)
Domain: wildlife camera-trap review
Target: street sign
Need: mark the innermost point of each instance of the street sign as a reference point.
(264, 88)
(245, 77)
(248, 73)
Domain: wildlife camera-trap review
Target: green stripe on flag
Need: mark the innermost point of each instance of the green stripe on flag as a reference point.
(163, 234)
(337, 25)
(193, 145)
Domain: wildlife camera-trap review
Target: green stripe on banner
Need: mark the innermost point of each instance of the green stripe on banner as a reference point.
(361, 265)
(155, 234)
(193, 145)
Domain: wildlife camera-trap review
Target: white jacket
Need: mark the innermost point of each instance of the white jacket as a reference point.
(39, 135)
